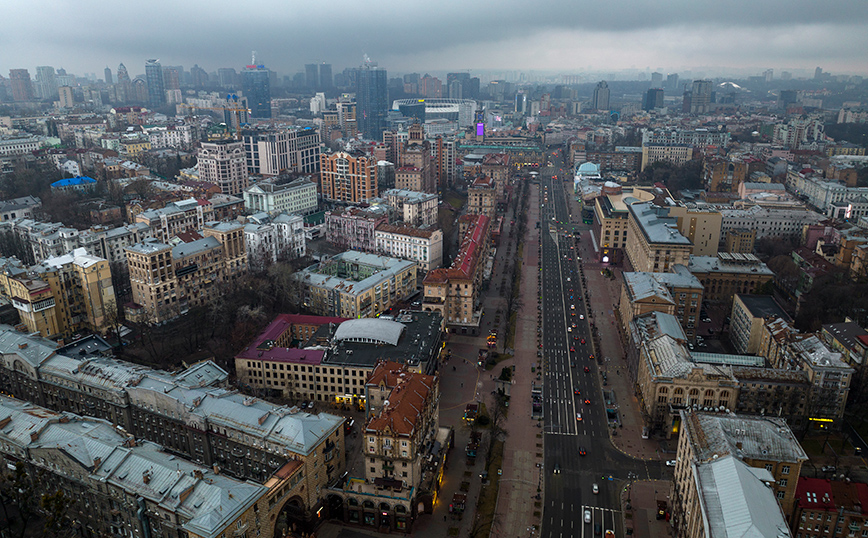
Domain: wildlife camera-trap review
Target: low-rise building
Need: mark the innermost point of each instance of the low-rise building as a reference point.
(454, 291)
(747, 466)
(727, 274)
(270, 240)
(274, 196)
(354, 284)
(416, 208)
(74, 184)
(20, 208)
(678, 293)
(775, 223)
(422, 246)
(773, 392)
(354, 228)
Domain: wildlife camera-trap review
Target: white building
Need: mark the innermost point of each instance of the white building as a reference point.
(170, 136)
(223, 163)
(268, 196)
(277, 151)
(267, 242)
(819, 192)
(767, 222)
(425, 247)
(415, 208)
(19, 146)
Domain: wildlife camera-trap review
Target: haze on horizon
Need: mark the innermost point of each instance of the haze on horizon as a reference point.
(555, 36)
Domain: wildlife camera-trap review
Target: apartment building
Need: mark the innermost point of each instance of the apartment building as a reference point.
(398, 436)
(274, 196)
(690, 137)
(174, 218)
(829, 508)
(415, 170)
(416, 208)
(117, 486)
(454, 291)
(24, 208)
(654, 243)
(223, 163)
(678, 293)
(169, 280)
(677, 154)
(425, 247)
(611, 219)
(355, 228)
(348, 177)
(747, 320)
(727, 274)
(482, 197)
(734, 474)
(354, 284)
(700, 225)
(189, 413)
(727, 174)
(270, 240)
(62, 295)
(274, 151)
(774, 223)
(333, 363)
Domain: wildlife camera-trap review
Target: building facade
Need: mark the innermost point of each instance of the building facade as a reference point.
(348, 177)
(223, 163)
(425, 247)
(273, 196)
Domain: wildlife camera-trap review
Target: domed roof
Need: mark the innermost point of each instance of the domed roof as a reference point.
(589, 168)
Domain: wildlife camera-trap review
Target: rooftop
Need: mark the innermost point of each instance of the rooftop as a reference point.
(731, 263)
(714, 435)
(656, 224)
(405, 407)
(763, 306)
(848, 333)
(832, 495)
(381, 268)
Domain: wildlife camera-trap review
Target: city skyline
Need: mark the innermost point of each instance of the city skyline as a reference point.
(557, 36)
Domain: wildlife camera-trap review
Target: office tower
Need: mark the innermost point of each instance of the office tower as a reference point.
(257, 88)
(154, 79)
(454, 89)
(311, 76)
(325, 76)
(108, 75)
(46, 82)
(461, 89)
(271, 152)
(227, 77)
(769, 75)
(786, 75)
(520, 102)
(672, 83)
(224, 164)
(372, 100)
(22, 87)
(818, 73)
(65, 94)
(653, 99)
(788, 97)
(601, 96)
(700, 97)
(198, 76)
(123, 76)
(171, 78)
(656, 80)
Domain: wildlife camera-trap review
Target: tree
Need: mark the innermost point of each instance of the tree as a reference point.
(56, 506)
(18, 488)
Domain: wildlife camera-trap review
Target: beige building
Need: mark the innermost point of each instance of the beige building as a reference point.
(224, 164)
(727, 274)
(482, 197)
(415, 170)
(676, 154)
(415, 208)
(748, 318)
(611, 219)
(425, 247)
(654, 244)
(348, 177)
(169, 280)
(356, 285)
(740, 241)
(678, 293)
(700, 226)
(734, 475)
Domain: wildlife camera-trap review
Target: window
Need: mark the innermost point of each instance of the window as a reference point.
(785, 469)
(782, 482)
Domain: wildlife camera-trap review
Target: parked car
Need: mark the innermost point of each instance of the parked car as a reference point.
(587, 516)
(596, 489)
(671, 463)
(829, 468)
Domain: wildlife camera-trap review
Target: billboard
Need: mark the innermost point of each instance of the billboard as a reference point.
(480, 129)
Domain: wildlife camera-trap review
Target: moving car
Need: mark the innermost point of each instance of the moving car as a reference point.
(587, 401)
(581, 316)
(579, 417)
(671, 463)
(582, 451)
(557, 469)
(596, 489)
(587, 369)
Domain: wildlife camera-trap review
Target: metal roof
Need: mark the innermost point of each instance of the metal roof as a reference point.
(375, 330)
(736, 502)
(745, 436)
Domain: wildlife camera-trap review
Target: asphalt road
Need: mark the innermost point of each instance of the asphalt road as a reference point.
(575, 418)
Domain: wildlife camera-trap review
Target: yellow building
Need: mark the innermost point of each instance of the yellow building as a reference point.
(677, 154)
(611, 219)
(740, 241)
(654, 244)
(132, 148)
(700, 226)
(62, 295)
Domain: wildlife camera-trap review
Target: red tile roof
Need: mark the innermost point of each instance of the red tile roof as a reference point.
(407, 400)
(264, 348)
(831, 495)
(464, 264)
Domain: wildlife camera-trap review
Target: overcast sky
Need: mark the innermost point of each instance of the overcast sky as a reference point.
(404, 36)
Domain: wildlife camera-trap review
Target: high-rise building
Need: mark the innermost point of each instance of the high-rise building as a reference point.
(653, 99)
(656, 80)
(22, 87)
(224, 164)
(257, 88)
(700, 97)
(66, 99)
(276, 151)
(311, 76)
(227, 77)
(198, 76)
(372, 100)
(325, 76)
(601, 96)
(346, 177)
(156, 87)
(46, 82)
(171, 78)
(123, 75)
(108, 75)
(672, 82)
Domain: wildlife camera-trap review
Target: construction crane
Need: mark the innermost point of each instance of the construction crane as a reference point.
(236, 109)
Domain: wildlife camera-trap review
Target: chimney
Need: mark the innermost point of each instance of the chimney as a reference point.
(96, 463)
(22, 345)
(146, 477)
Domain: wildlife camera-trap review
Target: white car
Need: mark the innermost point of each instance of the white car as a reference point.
(671, 463)
(587, 516)
(581, 316)
(572, 307)
(596, 489)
